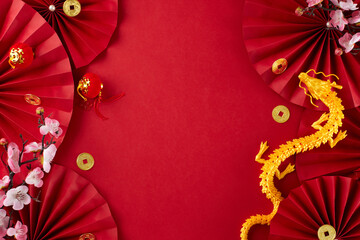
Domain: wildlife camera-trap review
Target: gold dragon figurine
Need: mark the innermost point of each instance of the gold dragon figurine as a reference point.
(320, 90)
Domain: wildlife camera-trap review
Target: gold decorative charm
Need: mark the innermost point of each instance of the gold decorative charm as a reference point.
(85, 161)
(279, 66)
(318, 89)
(72, 8)
(326, 232)
(87, 236)
(32, 99)
(281, 114)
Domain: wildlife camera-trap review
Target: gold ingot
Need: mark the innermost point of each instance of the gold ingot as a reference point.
(85, 161)
(281, 114)
(32, 99)
(279, 66)
(72, 8)
(87, 236)
(326, 232)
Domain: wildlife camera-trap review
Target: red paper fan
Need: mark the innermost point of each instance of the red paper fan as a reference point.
(273, 31)
(70, 206)
(343, 159)
(326, 200)
(48, 77)
(85, 35)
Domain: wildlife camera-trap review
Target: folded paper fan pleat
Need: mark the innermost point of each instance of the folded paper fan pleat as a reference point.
(85, 35)
(70, 206)
(343, 159)
(49, 77)
(273, 31)
(331, 200)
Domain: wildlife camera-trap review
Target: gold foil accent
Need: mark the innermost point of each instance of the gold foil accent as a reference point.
(85, 161)
(83, 86)
(326, 232)
(16, 57)
(32, 99)
(281, 114)
(279, 66)
(72, 8)
(327, 127)
(87, 236)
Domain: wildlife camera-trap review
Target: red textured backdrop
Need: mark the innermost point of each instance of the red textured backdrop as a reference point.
(176, 158)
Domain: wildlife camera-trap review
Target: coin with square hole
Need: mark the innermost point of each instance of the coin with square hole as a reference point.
(87, 236)
(85, 161)
(281, 114)
(326, 232)
(72, 8)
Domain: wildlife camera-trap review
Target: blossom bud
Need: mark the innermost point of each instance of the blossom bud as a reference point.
(3, 141)
(299, 11)
(39, 110)
(338, 51)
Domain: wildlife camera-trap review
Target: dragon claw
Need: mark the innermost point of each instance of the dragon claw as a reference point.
(263, 148)
(341, 135)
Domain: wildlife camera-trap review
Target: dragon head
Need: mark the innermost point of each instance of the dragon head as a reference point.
(317, 88)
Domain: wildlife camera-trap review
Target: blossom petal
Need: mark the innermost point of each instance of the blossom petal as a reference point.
(18, 205)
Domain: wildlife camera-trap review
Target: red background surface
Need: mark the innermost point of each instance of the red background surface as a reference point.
(176, 158)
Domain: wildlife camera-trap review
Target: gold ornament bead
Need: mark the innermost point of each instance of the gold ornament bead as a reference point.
(279, 66)
(32, 99)
(87, 236)
(281, 114)
(85, 161)
(326, 232)
(72, 8)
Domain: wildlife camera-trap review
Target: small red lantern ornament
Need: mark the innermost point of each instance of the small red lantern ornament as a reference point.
(21, 55)
(90, 87)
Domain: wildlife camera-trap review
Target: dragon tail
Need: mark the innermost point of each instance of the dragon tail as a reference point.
(257, 219)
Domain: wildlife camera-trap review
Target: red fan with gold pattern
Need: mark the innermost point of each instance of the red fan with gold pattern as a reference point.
(46, 81)
(323, 208)
(88, 33)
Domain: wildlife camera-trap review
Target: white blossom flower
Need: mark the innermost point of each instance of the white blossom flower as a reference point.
(35, 177)
(338, 20)
(345, 5)
(48, 156)
(348, 41)
(33, 147)
(4, 222)
(19, 232)
(13, 157)
(51, 126)
(17, 197)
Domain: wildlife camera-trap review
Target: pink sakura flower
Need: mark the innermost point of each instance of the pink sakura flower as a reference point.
(51, 126)
(33, 147)
(13, 157)
(48, 156)
(34, 177)
(17, 197)
(338, 20)
(345, 5)
(20, 231)
(355, 17)
(348, 42)
(313, 2)
(4, 182)
(4, 221)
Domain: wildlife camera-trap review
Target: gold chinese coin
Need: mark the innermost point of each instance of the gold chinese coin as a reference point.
(281, 114)
(85, 161)
(72, 8)
(326, 232)
(87, 236)
(32, 99)
(279, 66)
